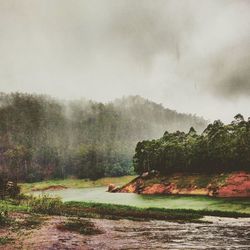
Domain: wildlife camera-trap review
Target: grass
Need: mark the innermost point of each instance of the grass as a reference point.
(13, 206)
(110, 211)
(79, 225)
(54, 206)
(75, 183)
(130, 212)
(5, 240)
(45, 205)
(4, 218)
(189, 180)
(198, 180)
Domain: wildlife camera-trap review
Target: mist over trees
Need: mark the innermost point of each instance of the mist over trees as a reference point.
(220, 148)
(42, 138)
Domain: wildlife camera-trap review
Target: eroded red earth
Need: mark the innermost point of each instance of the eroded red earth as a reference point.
(235, 185)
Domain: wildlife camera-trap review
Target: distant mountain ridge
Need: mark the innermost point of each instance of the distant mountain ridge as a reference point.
(159, 117)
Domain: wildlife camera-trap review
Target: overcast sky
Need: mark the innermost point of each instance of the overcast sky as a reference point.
(191, 56)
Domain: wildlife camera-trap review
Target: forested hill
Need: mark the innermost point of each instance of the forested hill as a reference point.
(41, 137)
(220, 148)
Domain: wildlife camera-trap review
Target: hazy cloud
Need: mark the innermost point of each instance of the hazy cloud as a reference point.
(193, 56)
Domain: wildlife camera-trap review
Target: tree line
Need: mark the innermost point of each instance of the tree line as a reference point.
(42, 138)
(219, 148)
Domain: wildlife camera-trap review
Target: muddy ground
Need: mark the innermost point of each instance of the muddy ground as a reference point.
(222, 233)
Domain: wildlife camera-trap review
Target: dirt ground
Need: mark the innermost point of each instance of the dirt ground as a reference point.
(222, 233)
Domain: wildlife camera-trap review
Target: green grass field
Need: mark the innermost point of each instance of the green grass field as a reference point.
(75, 183)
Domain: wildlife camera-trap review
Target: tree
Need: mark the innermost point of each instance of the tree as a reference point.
(18, 158)
(220, 148)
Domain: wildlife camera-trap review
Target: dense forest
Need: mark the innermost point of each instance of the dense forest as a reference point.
(42, 138)
(220, 148)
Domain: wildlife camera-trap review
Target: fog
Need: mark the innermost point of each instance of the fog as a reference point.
(191, 56)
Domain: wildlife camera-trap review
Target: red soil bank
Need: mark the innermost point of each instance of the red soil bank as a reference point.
(235, 185)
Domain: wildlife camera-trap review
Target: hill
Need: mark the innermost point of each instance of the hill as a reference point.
(41, 137)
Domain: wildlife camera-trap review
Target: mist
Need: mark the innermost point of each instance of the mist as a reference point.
(190, 57)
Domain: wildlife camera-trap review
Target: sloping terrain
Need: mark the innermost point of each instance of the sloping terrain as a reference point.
(235, 184)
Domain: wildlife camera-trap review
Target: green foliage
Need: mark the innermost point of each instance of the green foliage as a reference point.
(112, 211)
(75, 183)
(220, 148)
(4, 218)
(46, 205)
(82, 226)
(5, 240)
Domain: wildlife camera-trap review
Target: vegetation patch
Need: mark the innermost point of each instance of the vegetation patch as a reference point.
(4, 218)
(52, 187)
(74, 183)
(129, 212)
(14, 206)
(54, 206)
(81, 226)
(46, 205)
(31, 222)
(5, 240)
(110, 211)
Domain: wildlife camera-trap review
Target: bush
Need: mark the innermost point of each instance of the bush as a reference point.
(81, 226)
(5, 240)
(4, 218)
(13, 191)
(46, 205)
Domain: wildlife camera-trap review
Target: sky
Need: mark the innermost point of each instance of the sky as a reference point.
(192, 56)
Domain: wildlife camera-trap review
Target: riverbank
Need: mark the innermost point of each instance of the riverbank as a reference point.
(73, 183)
(236, 184)
(54, 206)
(42, 222)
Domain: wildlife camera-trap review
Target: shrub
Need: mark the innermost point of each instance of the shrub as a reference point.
(4, 218)
(32, 221)
(46, 205)
(5, 240)
(13, 191)
(81, 226)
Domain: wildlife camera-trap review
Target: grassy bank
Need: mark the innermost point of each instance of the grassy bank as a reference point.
(74, 183)
(49, 206)
(121, 211)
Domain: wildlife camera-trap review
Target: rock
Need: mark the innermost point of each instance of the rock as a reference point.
(111, 187)
(145, 174)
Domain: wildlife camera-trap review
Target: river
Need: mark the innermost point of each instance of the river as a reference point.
(99, 194)
(222, 233)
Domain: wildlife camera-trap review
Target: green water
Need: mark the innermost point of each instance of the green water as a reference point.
(99, 194)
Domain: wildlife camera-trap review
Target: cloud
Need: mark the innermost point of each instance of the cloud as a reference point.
(190, 56)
